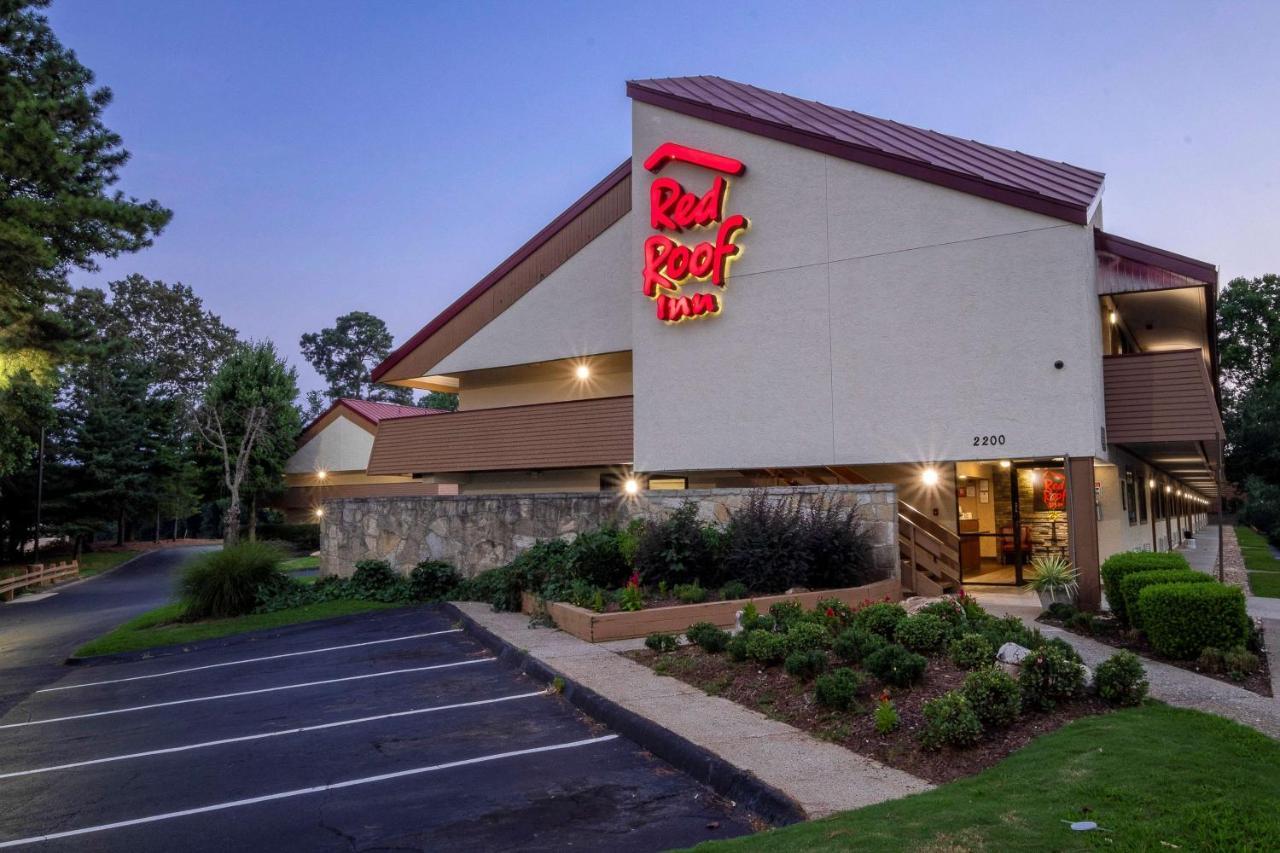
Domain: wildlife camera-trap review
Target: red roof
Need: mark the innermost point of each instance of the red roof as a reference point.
(1011, 177)
(374, 412)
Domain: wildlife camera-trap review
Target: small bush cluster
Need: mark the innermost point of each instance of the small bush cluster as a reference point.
(660, 642)
(807, 636)
(1115, 567)
(923, 632)
(1237, 663)
(971, 651)
(805, 664)
(1121, 680)
(839, 689)
(373, 580)
(766, 647)
(881, 618)
(896, 665)
(950, 720)
(711, 639)
(994, 696)
(854, 644)
(433, 580)
(1047, 676)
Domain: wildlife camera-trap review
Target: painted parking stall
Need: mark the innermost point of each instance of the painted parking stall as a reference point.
(397, 729)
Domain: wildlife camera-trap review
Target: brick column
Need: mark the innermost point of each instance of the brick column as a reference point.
(1083, 516)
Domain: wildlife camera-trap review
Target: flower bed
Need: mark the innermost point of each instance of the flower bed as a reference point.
(840, 674)
(595, 627)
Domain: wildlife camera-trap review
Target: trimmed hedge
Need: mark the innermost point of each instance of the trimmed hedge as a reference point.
(1182, 619)
(1132, 584)
(1129, 562)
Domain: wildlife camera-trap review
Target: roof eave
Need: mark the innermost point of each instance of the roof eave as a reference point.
(1073, 213)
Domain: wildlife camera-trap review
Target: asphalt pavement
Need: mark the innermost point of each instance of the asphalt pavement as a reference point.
(37, 635)
(390, 730)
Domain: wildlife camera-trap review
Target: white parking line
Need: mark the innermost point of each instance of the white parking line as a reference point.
(250, 660)
(173, 702)
(260, 736)
(299, 792)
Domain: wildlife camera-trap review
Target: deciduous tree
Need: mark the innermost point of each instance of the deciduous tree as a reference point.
(345, 355)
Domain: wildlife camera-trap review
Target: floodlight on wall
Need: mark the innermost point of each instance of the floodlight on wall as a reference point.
(582, 372)
(929, 476)
(319, 512)
(631, 485)
(321, 474)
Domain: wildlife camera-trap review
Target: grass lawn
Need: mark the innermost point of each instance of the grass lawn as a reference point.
(301, 563)
(1264, 568)
(160, 627)
(96, 562)
(1158, 778)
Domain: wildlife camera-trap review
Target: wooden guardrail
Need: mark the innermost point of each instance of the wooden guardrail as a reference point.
(38, 574)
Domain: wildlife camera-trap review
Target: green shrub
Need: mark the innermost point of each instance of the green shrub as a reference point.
(886, 715)
(500, 588)
(854, 644)
(708, 636)
(804, 636)
(949, 719)
(597, 557)
(1117, 566)
(835, 612)
(432, 580)
(375, 580)
(839, 688)
(949, 611)
(737, 647)
(690, 593)
(1047, 677)
(881, 618)
(301, 537)
(660, 642)
(630, 598)
(766, 647)
(1120, 679)
(733, 590)
(1181, 619)
(1083, 622)
(922, 632)
(994, 696)
(971, 651)
(1064, 648)
(753, 621)
(1061, 610)
(1009, 629)
(677, 549)
(895, 665)
(786, 613)
(1238, 663)
(225, 583)
(805, 664)
(1133, 583)
(974, 615)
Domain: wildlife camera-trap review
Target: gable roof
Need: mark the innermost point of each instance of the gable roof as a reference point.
(1010, 177)
(368, 414)
(537, 258)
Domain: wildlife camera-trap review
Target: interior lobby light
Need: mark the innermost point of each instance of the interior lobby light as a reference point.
(582, 372)
(1115, 318)
(631, 486)
(1005, 463)
(1168, 489)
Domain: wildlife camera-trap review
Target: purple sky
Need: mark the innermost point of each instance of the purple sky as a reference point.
(322, 157)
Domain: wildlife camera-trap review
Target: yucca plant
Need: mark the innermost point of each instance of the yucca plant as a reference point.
(1055, 579)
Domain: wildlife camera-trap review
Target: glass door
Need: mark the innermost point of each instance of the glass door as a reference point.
(1009, 513)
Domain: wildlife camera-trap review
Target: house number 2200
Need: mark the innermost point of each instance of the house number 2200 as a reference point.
(988, 440)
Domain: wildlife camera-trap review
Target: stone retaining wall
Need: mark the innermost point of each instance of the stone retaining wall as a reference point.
(479, 532)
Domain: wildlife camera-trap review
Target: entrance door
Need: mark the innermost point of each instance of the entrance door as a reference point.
(1009, 514)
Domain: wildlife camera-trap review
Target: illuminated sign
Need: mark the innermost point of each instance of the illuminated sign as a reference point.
(668, 262)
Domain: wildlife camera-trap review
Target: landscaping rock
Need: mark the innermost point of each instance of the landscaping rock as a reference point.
(1088, 676)
(916, 603)
(1012, 653)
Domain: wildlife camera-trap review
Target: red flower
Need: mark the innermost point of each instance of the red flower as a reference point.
(634, 580)
(831, 614)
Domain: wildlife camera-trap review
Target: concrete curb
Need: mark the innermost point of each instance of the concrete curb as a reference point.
(700, 763)
(225, 641)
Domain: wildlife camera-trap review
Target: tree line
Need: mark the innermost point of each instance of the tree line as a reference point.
(131, 409)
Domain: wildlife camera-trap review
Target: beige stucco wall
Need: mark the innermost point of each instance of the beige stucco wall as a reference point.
(580, 309)
(871, 318)
(340, 446)
(550, 383)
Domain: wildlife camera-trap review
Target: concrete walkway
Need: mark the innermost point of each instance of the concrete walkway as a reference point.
(1169, 683)
(821, 777)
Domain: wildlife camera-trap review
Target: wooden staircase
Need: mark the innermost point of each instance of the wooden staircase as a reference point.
(929, 553)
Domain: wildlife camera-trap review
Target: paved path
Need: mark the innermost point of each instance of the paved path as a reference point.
(36, 636)
(821, 777)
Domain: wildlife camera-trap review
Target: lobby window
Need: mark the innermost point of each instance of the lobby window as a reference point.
(668, 483)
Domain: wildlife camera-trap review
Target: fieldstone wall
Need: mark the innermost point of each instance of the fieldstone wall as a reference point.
(479, 532)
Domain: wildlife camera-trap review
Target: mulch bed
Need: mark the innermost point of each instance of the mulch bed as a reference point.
(1111, 633)
(775, 694)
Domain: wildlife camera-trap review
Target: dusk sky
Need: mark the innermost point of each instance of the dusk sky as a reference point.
(322, 157)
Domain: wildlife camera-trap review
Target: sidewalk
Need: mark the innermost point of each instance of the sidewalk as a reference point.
(819, 777)
(1169, 683)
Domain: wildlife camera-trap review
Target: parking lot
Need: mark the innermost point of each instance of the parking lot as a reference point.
(393, 730)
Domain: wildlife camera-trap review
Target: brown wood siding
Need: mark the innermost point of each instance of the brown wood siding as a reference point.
(577, 434)
(1158, 397)
(502, 294)
(303, 497)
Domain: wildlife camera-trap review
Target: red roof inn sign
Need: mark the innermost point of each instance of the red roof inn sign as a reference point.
(673, 210)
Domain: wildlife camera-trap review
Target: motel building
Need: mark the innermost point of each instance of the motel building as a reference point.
(772, 291)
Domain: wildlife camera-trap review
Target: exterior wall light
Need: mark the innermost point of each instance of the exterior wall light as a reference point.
(321, 474)
(1151, 484)
(1115, 318)
(319, 512)
(582, 372)
(930, 476)
(631, 486)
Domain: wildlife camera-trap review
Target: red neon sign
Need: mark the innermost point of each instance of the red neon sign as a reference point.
(669, 263)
